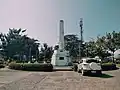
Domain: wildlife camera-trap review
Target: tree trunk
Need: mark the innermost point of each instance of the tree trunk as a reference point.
(113, 55)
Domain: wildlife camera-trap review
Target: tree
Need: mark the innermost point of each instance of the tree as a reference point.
(113, 41)
(16, 43)
(90, 49)
(101, 46)
(72, 44)
(109, 42)
(96, 48)
(46, 53)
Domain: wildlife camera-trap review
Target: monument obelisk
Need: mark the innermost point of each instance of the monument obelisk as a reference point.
(60, 57)
(61, 35)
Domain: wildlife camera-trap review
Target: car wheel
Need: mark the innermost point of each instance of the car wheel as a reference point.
(99, 72)
(79, 71)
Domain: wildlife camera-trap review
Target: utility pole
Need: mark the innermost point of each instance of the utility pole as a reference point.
(81, 37)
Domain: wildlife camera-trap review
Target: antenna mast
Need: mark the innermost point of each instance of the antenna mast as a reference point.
(81, 37)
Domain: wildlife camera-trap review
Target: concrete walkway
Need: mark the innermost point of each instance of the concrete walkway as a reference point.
(8, 75)
(60, 80)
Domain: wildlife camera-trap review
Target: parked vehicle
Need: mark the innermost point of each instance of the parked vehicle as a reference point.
(89, 65)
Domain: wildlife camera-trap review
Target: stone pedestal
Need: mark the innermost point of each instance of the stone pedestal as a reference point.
(60, 58)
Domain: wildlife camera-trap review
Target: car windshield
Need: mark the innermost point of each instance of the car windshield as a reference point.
(92, 60)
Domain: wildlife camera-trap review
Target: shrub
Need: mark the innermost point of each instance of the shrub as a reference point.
(31, 66)
(2, 66)
(75, 67)
(108, 66)
(117, 61)
(118, 65)
(1, 62)
(70, 64)
(16, 66)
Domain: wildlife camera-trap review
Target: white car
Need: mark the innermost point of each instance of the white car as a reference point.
(89, 65)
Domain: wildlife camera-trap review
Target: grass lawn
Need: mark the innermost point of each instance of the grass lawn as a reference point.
(108, 63)
(118, 65)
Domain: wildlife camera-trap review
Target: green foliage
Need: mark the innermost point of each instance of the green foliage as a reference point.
(56, 47)
(2, 65)
(111, 42)
(70, 64)
(15, 44)
(108, 66)
(1, 61)
(117, 61)
(108, 63)
(31, 66)
(118, 65)
(90, 49)
(75, 67)
(46, 53)
(72, 44)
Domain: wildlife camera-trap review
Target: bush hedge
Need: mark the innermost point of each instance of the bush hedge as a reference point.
(75, 67)
(70, 64)
(2, 66)
(118, 65)
(108, 66)
(31, 67)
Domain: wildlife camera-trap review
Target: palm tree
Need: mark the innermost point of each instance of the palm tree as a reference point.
(16, 43)
(46, 53)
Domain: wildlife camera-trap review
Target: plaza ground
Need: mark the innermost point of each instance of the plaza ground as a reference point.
(59, 80)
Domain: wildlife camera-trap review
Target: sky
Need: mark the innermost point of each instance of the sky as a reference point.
(41, 17)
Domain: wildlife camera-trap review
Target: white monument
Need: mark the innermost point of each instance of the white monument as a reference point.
(61, 56)
(117, 54)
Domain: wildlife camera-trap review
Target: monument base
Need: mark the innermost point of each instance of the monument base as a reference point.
(60, 58)
(62, 68)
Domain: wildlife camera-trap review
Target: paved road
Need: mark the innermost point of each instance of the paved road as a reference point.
(8, 76)
(67, 80)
